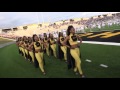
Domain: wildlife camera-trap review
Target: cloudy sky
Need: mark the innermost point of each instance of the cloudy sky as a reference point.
(13, 19)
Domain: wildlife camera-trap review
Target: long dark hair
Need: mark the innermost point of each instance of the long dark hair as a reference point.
(68, 33)
(29, 39)
(45, 35)
(20, 38)
(51, 51)
(49, 35)
(59, 34)
(24, 38)
(68, 30)
(33, 37)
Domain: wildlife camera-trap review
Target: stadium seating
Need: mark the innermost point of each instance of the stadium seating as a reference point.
(79, 24)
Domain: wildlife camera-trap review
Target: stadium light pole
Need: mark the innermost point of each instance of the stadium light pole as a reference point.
(42, 17)
(48, 18)
(37, 17)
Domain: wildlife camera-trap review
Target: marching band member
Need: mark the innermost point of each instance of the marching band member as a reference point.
(38, 49)
(46, 43)
(62, 48)
(30, 49)
(22, 46)
(74, 48)
(53, 44)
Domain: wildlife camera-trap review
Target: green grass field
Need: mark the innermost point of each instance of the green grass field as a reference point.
(12, 65)
(3, 40)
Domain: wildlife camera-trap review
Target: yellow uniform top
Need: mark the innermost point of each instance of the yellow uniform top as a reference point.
(61, 39)
(45, 39)
(29, 43)
(37, 45)
(73, 39)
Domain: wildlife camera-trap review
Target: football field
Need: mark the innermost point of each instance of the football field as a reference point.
(13, 65)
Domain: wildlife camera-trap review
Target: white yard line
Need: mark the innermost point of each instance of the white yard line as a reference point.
(102, 43)
(88, 60)
(103, 65)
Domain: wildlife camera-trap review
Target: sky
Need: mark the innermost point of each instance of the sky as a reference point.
(14, 19)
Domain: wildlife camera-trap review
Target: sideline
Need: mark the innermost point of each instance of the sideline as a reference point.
(7, 38)
(6, 44)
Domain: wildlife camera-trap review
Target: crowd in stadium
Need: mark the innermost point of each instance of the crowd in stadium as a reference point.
(92, 22)
(101, 22)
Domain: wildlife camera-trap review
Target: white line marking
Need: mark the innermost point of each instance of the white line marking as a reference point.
(103, 65)
(103, 43)
(88, 60)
